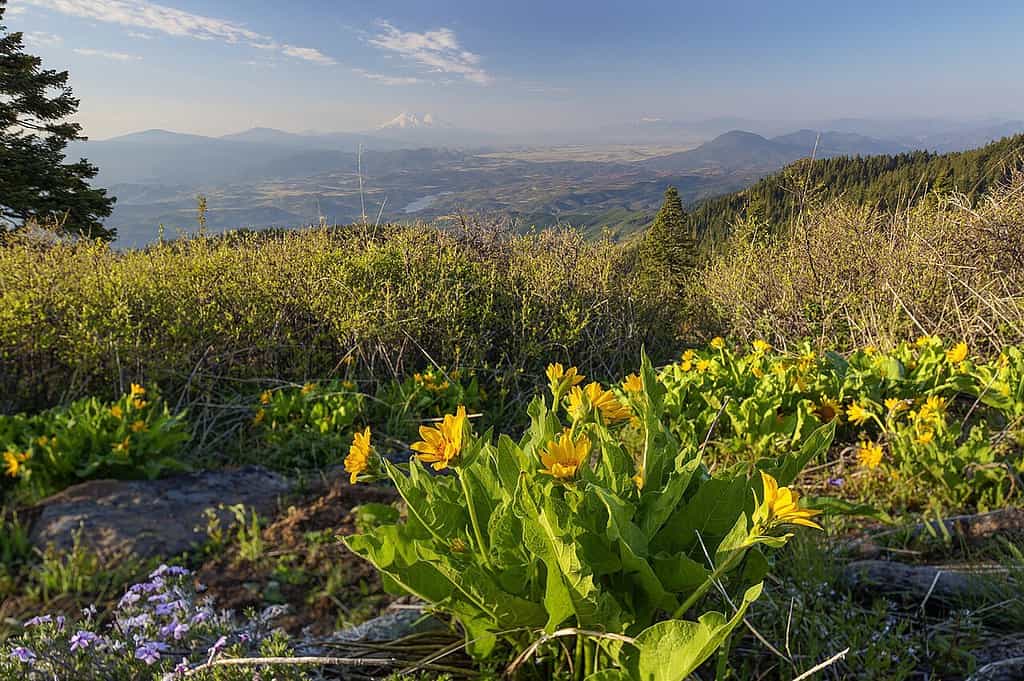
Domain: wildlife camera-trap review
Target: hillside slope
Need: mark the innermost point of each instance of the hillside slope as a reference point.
(884, 181)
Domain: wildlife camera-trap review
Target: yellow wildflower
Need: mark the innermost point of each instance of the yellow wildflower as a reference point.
(638, 479)
(758, 372)
(139, 403)
(686, 365)
(895, 405)
(137, 390)
(718, 343)
(761, 347)
(857, 414)
(870, 350)
(260, 415)
(925, 436)
(807, 360)
(604, 401)
(703, 365)
(116, 411)
(563, 456)
(442, 443)
(957, 353)
(265, 397)
(688, 355)
(869, 454)
(358, 459)
(827, 410)
(932, 408)
(139, 426)
(308, 388)
(42, 441)
(561, 379)
(633, 384)
(923, 341)
(781, 505)
(12, 463)
(123, 446)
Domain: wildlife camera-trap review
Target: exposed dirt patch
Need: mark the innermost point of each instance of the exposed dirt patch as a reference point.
(305, 566)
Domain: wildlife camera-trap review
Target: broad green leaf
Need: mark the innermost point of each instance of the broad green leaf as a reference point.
(816, 445)
(672, 650)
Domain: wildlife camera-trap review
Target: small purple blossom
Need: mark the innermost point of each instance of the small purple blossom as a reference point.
(136, 622)
(220, 644)
(176, 630)
(172, 570)
(23, 654)
(40, 619)
(200, 617)
(82, 639)
(149, 652)
(128, 599)
(836, 482)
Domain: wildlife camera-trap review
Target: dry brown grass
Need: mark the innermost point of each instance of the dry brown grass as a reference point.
(848, 276)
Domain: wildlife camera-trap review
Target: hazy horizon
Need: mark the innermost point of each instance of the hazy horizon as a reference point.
(220, 67)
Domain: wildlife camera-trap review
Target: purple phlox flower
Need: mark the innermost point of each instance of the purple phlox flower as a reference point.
(245, 637)
(160, 598)
(23, 654)
(82, 639)
(149, 652)
(200, 617)
(59, 619)
(218, 646)
(165, 609)
(175, 630)
(172, 570)
(89, 611)
(836, 482)
(128, 599)
(136, 622)
(40, 619)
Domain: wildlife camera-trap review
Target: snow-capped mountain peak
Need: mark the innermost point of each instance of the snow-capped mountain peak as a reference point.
(412, 121)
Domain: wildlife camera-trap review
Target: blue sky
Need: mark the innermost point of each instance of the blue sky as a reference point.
(525, 65)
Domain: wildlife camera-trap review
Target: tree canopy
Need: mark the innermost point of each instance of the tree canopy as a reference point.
(36, 181)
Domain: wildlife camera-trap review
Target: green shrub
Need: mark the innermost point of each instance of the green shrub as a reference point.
(205, 317)
(135, 436)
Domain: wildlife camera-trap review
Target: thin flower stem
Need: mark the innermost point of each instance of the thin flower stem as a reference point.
(473, 520)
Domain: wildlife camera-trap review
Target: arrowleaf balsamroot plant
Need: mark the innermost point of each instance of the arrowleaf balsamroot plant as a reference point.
(599, 519)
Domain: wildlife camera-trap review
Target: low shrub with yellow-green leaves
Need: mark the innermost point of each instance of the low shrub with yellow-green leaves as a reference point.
(930, 426)
(599, 523)
(134, 436)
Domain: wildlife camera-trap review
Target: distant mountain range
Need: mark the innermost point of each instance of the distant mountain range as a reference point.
(738, 150)
(417, 167)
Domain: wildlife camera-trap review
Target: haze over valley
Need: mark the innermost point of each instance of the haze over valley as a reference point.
(417, 167)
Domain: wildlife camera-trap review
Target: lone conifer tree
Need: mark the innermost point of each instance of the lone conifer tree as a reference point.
(669, 249)
(35, 181)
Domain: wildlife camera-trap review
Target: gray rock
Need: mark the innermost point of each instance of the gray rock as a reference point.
(150, 517)
(1011, 669)
(918, 584)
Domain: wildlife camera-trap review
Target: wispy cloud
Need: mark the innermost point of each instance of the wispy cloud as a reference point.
(141, 14)
(438, 50)
(307, 53)
(139, 36)
(42, 39)
(106, 54)
(15, 10)
(386, 79)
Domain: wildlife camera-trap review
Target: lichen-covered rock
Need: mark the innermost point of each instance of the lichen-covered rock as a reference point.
(150, 517)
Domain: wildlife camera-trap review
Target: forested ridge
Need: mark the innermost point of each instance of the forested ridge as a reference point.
(886, 182)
